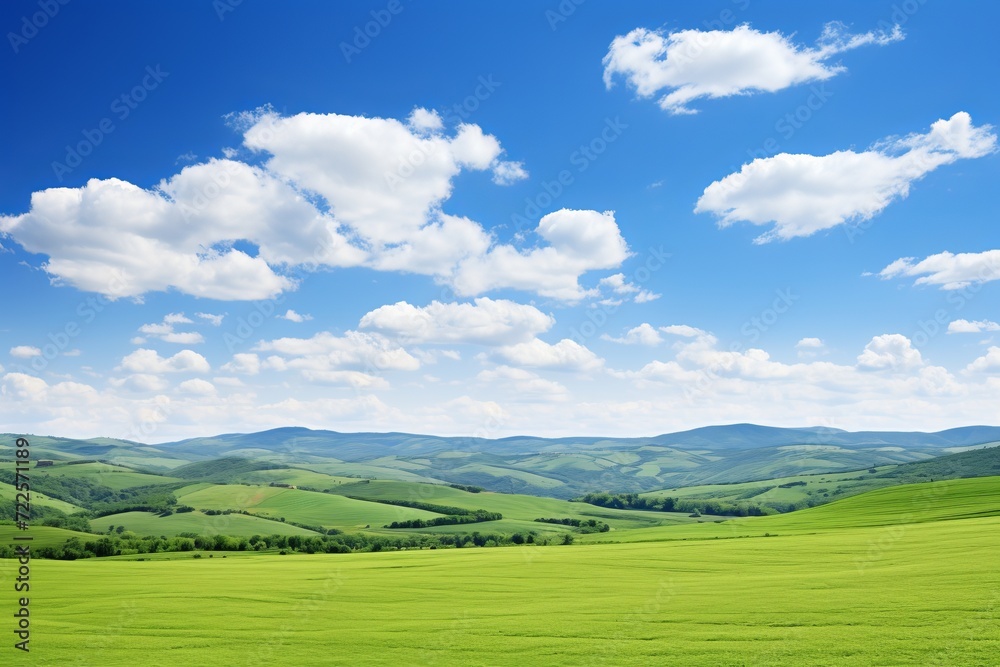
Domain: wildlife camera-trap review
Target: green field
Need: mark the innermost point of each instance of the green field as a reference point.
(115, 477)
(306, 507)
(296, 476)
(512, 506)
(235, 525)
(898, 505)
(41, 536)
(888, 594)
(8, 492)
(797, 488)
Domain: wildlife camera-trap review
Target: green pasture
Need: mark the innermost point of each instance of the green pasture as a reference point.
(859, 596)
(235, 525)
(306, 507)
(113, 476)
(512, 506)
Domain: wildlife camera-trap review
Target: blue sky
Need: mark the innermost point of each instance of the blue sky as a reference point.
(490, 219)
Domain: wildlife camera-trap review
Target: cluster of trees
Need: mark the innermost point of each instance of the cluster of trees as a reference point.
(420, 505)
(467, 487)
(476, 516)
(46, 516)
(696, 506)
(126, 543)
(584, 525)
(74, 490)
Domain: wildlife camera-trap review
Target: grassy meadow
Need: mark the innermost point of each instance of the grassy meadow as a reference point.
(906, 575)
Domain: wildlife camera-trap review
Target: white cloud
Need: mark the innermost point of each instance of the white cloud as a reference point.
(684, 331)
(693, 64)
(809, 348)
(176, 318)
(484, 322)
(566, 355)
(183, 338)
(355, 379)
(214, 320)
(243, 363)
(977, 326)
(355, 359)
(424, 120)
(506, 173)
(292, 316)
(644, 334)
(645, 296)
(524, 385)
(140, 383)
(804, 194)
(149, 361)
(987, 363)
(334, 191)
(889, 352)
(196, 387)
(22, 387)
(116, 239)
(165, 331)
(619, 285)
(948, 270)
(25, 351)
(578, 241)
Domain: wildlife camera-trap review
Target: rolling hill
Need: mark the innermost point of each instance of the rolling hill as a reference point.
(555, 467)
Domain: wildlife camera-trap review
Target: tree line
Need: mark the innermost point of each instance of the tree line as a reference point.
(126, 543)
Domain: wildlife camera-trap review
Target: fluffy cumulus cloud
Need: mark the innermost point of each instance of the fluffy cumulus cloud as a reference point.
(566, 355)
(803, 194)
(644, 334)
(947, 270)
(243, 363)
(355, 359)
(683, 330)
(989, 362)
(331, 191)
(149, 361)
(621, 287)
(25, 351)
(807, 348)
(576, 242)
(976, 326)
(196, 387)
(211, 318)
(693, 64)
(293, 316)
(890, 352)
(523, 384)
(888, 378)
(485, 321)
(165, 331)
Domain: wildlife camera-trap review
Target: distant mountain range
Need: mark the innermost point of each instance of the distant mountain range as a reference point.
(559, 467)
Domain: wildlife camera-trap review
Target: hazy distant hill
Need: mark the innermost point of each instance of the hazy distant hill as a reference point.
(559, 467)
